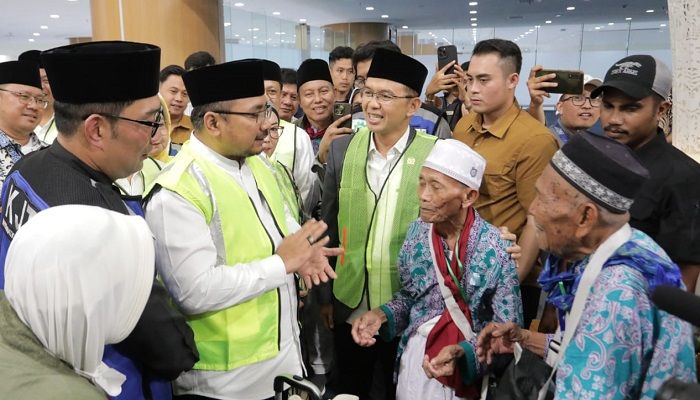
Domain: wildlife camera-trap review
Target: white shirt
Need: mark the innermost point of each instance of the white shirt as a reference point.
(378, 169)
(186, 259)
(298, 156)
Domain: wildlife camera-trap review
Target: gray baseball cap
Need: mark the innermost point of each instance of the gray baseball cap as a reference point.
(638, 76)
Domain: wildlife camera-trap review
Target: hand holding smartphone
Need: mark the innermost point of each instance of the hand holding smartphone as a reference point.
(568, 82)
(340, 110)
(445, 55)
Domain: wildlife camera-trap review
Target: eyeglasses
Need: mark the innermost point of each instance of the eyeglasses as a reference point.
(359, 83)
(259, 116)
(275, 132)
(26, 99)
(579, 100)
(153, 124)
(382, 97)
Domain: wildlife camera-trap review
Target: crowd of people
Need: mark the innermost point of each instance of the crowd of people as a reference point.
(191, 232)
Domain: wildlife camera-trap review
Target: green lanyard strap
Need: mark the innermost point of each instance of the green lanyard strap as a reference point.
(462, 291)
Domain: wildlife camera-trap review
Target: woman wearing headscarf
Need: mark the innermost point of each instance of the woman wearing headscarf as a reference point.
(69, 292)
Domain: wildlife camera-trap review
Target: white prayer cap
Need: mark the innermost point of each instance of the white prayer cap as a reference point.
(458, 161)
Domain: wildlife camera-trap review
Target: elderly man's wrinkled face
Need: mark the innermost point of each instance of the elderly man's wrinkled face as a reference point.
(555, 211)
(441, 197)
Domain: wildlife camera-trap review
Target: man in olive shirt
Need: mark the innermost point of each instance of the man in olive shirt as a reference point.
(516, 148)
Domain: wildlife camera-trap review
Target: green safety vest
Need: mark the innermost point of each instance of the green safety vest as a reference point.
(246, 333)
(288, 189)
(357, 219)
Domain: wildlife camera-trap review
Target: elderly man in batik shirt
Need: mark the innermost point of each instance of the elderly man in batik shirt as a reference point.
(612, 342)
(451, 256)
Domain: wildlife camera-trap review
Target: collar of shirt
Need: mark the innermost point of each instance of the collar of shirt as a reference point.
(62, 153)
(397, 148)
(501, 126)
(185, 123)
(34, 143)
(654, 148)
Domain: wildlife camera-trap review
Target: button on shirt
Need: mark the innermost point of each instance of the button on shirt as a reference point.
(11, 152)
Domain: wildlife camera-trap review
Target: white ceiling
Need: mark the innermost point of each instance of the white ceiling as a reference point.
(21, 19)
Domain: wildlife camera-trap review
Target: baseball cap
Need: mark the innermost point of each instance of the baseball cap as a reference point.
(638, 76)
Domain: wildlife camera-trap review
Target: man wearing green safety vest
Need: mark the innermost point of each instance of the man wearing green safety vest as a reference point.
(227, 247)
(369, 199)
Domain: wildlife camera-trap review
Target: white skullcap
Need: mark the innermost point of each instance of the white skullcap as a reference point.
(458, 161)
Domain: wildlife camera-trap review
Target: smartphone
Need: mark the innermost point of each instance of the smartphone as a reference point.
(569, 82)
(340, 110)
(445, 55)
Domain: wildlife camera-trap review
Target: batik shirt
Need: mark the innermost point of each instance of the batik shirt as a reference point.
(624, 347)
(11, 152)
(491, 283)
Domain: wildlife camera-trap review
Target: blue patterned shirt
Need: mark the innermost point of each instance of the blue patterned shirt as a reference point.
(624, 347)
(491, 282)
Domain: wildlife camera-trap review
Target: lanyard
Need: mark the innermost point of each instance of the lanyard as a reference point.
(462, 291)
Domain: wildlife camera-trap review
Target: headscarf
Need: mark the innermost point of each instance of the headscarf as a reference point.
(79, 278)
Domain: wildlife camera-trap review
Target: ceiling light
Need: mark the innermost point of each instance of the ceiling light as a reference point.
(473, 19)
(35, 33)
(404, 27)
(572, 8)
(547, 22)
(44, 27)
(650, 11)
(473, 3)
(597, 27)
(370, 8)
(557, 16)
(385, 16)
(275, 13)
(611, 23)
(236, 35)
(238, 4)
(662, 25)
(280, 33)
(302, 20)
(472, 12)
(54, 16)
(628, 19)
(31, 40)
(530, 30)
(474, 24)
(72, 1)
(537, 26)
(255, 37)
(227, 24)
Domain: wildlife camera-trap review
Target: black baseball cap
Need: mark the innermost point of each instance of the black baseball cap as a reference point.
(638, 76)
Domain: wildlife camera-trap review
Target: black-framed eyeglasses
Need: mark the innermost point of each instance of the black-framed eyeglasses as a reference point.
(275, 132)
(259, 116)
(26, 99)
(155, 125)
(382, 97)
(579, 100)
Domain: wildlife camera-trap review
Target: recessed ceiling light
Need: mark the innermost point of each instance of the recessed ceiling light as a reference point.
(43, 27)
(611, 23)
(572, 8)
(473, 3)
(662, 25)
(537, 26)
(236, 35)
(238, 4)
(530, 30)
(385, 16)
(54, 16)
(650, 11)
(474, 24)
(557, 16)
(31, 40)
(472, 12)
(280, 33)
(36, 34)
(255, 37)
(473, 19)
(547, 22)
(628, 19)
(597, 27)
(227, 24)
(404, 27)
(370, 8)
(275, 13)
(302, 20)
